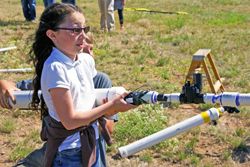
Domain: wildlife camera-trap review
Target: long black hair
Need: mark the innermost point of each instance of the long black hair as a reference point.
(43, 45)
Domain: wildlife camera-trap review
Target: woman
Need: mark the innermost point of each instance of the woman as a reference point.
(65, 76)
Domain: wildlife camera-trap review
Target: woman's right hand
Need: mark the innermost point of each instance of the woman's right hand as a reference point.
(119, 105)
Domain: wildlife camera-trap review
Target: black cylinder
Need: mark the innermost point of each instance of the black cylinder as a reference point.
(197, 77)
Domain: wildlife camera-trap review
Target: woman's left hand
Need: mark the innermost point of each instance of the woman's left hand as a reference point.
(6, 92)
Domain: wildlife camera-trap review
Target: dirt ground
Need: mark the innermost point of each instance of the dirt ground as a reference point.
(210, 149)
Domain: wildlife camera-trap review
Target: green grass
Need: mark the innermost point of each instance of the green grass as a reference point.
(139, 123)
(7, 126)
(20, 151)
(154, 52)
(146, 158)
(228, 18)
(25, 146)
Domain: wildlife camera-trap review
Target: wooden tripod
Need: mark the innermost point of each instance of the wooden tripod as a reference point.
(199, 62)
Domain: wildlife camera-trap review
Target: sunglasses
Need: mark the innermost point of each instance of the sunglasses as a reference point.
(75, 31)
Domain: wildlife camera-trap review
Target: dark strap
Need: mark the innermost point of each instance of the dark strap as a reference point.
(55, 133)
(104, 130)
(88, 147)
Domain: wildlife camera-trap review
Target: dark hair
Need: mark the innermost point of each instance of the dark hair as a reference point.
(43, 45)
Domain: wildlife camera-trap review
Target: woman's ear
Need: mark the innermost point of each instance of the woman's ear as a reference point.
(51, 35)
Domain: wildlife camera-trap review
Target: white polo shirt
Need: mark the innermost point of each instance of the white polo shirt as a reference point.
(59, 71)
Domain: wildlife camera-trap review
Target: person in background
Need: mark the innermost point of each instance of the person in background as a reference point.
(119, 6)
(29, 9)
(107, 20)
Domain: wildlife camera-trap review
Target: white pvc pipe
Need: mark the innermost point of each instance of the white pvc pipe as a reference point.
(211, 114)
(8, 48)
(17, 70)
(233, 99)
(108, 93)
(173, 97)
(24, 98)
(244, 99)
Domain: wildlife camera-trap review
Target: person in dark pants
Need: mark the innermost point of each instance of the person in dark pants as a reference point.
(119, 6)
(47, 3)
(73, 2)
(29, 9)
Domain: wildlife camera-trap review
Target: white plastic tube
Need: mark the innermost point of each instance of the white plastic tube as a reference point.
(24, 98)
(244, 99)
(233, 99)
(211, 114)
(17, 70)
(8, 48)
(173, 97)
(108, 93)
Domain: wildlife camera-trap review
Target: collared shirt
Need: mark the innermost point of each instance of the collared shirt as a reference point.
(59, 71)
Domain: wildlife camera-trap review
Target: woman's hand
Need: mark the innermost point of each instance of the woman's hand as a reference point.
(88, 48)
(6, 93)
(123, 2)
(119, 105)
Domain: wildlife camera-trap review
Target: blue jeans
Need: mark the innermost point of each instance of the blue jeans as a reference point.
(35, 159)
(73, 158)
(102, 147)
(73, 2)
(29, 9)
(47, 3)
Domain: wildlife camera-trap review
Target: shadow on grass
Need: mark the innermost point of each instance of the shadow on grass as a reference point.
(241, 153)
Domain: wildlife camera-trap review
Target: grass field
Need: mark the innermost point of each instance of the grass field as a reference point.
(153, 52)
